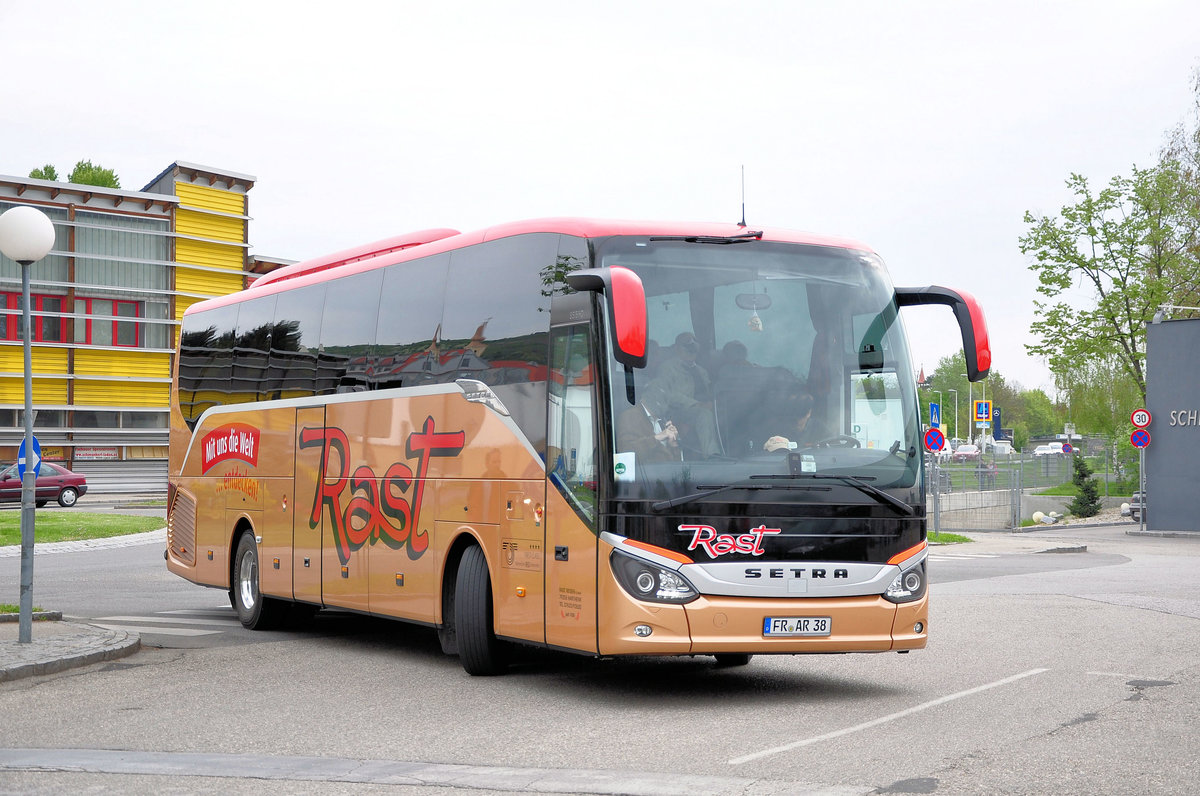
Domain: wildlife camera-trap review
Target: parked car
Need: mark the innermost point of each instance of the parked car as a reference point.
(1048, 450)
(967, 452)
(54, 482)
(1136, 505)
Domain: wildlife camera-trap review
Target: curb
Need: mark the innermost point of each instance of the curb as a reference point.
(90, 645)
(38, 616)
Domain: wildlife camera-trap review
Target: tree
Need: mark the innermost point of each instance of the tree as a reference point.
(85, 173)
(1087, 498)
(47, 172)
(1132, 247)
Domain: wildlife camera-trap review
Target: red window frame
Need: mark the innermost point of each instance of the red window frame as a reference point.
(12, 321)
(134, 319)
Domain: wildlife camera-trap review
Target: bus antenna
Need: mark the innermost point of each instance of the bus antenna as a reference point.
(743, 221)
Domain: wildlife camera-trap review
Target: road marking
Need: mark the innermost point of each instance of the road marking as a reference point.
(168, 620)
(159, 631)
(882, 719)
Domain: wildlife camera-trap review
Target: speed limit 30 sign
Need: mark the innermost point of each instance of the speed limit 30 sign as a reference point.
(1140, 418)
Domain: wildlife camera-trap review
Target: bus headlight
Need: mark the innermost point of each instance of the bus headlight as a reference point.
(650, 582)
(909, 585)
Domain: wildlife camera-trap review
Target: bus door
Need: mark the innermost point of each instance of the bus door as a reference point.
(571, 539)
(306, 539)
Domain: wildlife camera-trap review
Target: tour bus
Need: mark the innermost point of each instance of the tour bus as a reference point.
(606, 437)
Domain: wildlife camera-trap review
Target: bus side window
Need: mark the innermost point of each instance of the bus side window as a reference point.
(571, 447)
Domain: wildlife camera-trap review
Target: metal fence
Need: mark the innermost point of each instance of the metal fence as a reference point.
(986, 494)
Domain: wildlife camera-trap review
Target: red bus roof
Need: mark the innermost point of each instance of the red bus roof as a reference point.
(413, 245)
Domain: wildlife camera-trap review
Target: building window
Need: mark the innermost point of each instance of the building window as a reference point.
(46, 328)
(103, 326)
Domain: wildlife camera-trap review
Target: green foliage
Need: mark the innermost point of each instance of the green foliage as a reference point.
(1087, 500)
(85, 173)
(1131, 247)
(67, 526)
(47, 172)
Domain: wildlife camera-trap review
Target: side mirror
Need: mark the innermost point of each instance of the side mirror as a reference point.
(971, 322)
(626, 297)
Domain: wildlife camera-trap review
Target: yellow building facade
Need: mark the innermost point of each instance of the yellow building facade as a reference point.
(106, 305)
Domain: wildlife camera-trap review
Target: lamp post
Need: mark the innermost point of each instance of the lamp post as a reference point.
(26, 235)
(970, 408)
(955, 411)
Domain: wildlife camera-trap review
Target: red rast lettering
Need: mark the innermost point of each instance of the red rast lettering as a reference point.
(425, 445)
(362, 520)
(701, 536)
(329, 492)
(758, 534)
(396, 482)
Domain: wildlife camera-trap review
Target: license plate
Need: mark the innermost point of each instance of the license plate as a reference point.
(797, 626)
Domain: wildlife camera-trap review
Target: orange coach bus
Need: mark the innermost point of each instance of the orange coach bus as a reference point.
(611, 438)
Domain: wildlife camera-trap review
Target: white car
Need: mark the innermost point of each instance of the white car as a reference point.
(1048, 450)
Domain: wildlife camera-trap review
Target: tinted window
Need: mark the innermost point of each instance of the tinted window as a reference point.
(348, 329)
(205, 359)
(296, 340)
(251, 358)
(496, 321)
(410, 314)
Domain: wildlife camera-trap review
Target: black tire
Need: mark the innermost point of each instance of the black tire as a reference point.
(39, 503)
(478, 650)
(68, 497)
(254, 611)
(733, 658)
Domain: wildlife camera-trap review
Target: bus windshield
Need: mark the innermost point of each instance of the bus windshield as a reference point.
(767, 362)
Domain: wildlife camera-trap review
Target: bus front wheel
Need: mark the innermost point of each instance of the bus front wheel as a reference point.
(478, 650)
(254, 611)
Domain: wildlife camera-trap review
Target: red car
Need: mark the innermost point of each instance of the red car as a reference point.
(966, 453)
(54, 482)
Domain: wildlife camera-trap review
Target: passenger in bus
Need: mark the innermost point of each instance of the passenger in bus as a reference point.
(645, 431)
(689, 396)
(799, 429)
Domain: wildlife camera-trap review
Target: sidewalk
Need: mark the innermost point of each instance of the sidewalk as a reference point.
(58, 645)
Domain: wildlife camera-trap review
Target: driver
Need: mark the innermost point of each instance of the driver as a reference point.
(800, 430)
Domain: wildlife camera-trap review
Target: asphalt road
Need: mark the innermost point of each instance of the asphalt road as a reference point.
(1066, 673)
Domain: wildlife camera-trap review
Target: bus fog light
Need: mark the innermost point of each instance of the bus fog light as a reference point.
(642, 630)
(919, 627)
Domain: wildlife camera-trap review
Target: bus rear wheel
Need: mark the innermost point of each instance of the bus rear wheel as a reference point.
(254, 611)
(478, 650)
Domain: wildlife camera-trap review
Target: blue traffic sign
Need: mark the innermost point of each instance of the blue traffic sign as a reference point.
(24, 461)
(935, 415)
(1140, 438)
(935, 440)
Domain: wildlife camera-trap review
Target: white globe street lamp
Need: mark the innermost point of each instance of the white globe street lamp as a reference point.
(26, 235)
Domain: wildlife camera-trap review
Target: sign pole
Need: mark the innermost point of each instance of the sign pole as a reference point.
(1142, 487)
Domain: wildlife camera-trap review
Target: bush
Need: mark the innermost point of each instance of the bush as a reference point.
(1087, 500)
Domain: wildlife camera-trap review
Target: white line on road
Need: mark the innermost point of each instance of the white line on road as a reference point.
(882, 719)
(159, 631)
(171, 620)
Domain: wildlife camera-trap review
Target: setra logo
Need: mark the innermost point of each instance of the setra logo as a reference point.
(379, 509)
(719, 544)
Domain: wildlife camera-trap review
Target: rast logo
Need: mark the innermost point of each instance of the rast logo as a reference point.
(719, 544)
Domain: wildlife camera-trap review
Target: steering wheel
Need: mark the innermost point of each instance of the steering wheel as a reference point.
(841, 441)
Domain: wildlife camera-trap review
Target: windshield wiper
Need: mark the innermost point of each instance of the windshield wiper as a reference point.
(663, 505)
(849, 480)
(741, 237)
(864, 487)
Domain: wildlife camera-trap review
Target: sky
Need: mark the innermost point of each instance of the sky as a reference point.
(925, 130)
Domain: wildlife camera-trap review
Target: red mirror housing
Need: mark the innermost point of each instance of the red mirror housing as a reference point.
(626, 307)
(971, 322)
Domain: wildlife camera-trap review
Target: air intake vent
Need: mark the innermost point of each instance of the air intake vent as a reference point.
(181, 528)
